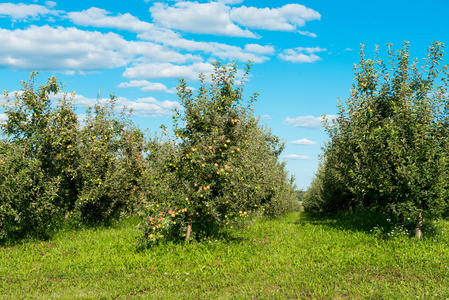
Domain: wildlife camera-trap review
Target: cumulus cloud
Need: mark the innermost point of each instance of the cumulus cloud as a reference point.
(307, 33)
(231, 2)
(310, 50)
(194, 17)
(50, 4)
(301, 54)
(256, 48)
(146, 86)
(285, 18)
(146, 31)
(307, 121)
(168, 70)
(72, 49)
(151, 107)
(102, 18)
(146, 107)
(296, 157)
(253, 52)
(257, 53)
(220, 19)
(22, 11)
(304, 142)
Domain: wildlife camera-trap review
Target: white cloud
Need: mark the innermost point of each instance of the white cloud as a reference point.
(255, 52)
(23, 11)
(304, 142)
(72, 49)
(292, 56)
(194, 17)
(231, 2)
(150, 32)
(296, 157)
(147, 107)
(348, 49)
(310, 50)
(167, 70)
(252, 52)
(101, 18)
(285, 18)
(256, 48)
(50, 4)
(301, 54)
(307, 121)
(151, 107)
(307, 33)
(146, 86)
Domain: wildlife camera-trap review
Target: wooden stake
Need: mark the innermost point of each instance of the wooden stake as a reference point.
(418, 232)
(189, 229)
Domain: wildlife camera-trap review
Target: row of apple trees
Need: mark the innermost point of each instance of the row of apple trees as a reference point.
(220, 165)
(389, 145)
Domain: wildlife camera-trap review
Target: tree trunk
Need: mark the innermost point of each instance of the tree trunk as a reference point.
(189, 228)
(418, 232)
(401, 217)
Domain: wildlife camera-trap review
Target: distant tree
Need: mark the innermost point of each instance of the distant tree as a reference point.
(111, 165)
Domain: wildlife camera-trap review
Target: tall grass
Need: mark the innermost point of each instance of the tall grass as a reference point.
(298, 256)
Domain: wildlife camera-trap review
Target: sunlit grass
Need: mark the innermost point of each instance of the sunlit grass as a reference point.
(294, 257)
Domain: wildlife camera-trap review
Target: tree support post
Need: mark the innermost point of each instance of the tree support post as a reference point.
(189, 228)
(418, 232)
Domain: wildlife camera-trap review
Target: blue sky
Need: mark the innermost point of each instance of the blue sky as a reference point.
(303, 53)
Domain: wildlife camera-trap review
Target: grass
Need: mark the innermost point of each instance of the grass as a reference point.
(294, 257)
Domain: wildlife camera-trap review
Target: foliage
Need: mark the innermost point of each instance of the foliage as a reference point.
(111, 165)
(52, 166)
(220, 165)
(32, 193)
(28, 197)
(388, 146)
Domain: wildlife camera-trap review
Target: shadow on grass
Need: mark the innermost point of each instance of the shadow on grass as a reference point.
(199, 236)
(63, 226)
(368, 221)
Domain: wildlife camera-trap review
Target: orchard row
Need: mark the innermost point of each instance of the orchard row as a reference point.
(217, 166)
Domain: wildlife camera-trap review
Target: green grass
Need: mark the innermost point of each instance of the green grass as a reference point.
(294, 257)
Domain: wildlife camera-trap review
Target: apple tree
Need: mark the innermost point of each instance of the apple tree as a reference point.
(388, 146)
(216, 168)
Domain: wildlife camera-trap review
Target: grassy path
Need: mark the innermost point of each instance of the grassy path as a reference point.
(293, 257)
